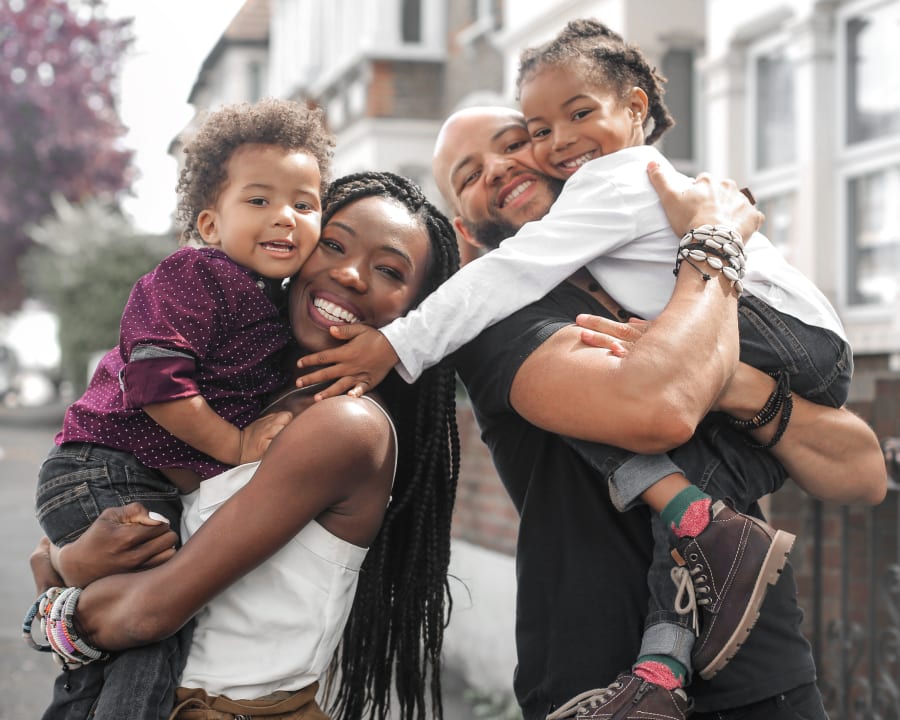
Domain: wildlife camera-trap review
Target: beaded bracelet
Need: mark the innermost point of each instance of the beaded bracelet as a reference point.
(56, 609)
(719, 247)
(769, 411)
(782, 425)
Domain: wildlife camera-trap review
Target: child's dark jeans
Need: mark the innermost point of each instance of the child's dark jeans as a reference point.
(76, 482)
(820, 366)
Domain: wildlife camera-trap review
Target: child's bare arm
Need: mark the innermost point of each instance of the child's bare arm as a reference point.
(193, 421)
(358, 365)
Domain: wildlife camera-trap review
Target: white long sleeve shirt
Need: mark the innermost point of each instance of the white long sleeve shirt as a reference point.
(608, 219)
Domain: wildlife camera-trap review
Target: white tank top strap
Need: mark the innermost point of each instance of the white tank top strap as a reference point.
(393, 432)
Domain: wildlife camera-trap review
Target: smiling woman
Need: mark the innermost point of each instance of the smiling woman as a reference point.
(344, 524)
(365, 269)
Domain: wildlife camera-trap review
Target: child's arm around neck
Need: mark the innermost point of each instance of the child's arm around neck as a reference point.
(588, 219)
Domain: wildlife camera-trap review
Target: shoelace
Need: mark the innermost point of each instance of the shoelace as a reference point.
(589, 698)
(686, 600)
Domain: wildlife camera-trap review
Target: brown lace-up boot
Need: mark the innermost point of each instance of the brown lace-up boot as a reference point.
(628, 698)
(730, 566)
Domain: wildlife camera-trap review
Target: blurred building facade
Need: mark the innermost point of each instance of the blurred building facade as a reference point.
(794, 98)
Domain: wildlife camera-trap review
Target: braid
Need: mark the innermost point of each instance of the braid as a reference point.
(606, 58)
(402, 605)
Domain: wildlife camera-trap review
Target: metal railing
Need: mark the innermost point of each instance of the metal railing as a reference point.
(855, 605)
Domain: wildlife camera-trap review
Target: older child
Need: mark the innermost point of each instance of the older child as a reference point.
(200, 349)
(587, 97)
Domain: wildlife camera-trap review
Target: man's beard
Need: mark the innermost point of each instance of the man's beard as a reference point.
(493, 231)
(490, 233)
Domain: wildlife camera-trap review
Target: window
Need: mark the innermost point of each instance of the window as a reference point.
(872, 42)
(774, 143)
(869, 160)
(678, 68)
(873, 229)
(411, 21)
(485, 16)
(254, 81)
(778, 227)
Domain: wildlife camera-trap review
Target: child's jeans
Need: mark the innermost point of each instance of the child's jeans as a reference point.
(76, 482)
(819, 363)
(820, 366)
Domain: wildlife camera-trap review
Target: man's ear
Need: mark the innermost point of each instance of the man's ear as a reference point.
(470, 248)
(463, 232)
(207, 226)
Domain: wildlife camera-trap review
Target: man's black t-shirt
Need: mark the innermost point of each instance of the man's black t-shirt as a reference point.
(582, 566)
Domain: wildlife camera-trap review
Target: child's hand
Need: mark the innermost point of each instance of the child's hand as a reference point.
(614, 336)
(258, 435)
(360, 364)
(120, 540)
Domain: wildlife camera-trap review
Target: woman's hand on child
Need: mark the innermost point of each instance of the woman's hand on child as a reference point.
(617, 337)
(356, 366)
(122, 539)
(42, 570)
(258, 435)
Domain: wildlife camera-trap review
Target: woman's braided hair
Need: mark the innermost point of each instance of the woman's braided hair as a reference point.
(402, 605)
(605, 58)
(282, 123)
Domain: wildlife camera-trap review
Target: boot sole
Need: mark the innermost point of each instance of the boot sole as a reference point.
(771, 569)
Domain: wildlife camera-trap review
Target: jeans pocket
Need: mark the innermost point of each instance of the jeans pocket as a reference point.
(66, 499)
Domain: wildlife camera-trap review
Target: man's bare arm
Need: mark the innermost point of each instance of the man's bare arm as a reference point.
(651, 400)
(830, 453)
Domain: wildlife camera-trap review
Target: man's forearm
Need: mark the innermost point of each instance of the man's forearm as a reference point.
(833, 455)
(649, 401)
(829, 452)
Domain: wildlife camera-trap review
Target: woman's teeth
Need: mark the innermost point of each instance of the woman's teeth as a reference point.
(334, 313)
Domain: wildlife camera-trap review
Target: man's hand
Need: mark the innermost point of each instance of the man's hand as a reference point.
(358, 365)
(707, 201)
(259, 434)
(121, 539)
(617, 337)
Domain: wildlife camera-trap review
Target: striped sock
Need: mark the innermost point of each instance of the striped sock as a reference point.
(660, 670)
(687, 514)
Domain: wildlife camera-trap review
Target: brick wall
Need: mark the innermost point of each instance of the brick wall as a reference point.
(405, 89)
(484, 514)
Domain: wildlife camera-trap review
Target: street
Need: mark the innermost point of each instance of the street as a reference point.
(26, 677)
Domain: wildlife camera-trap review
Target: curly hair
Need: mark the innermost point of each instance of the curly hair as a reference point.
(283, 123)
(402, 605)
(605, 58)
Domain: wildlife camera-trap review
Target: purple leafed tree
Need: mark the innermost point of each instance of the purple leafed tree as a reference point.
(59, 128)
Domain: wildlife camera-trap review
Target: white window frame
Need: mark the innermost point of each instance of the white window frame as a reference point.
(780, 174)
(780, 180)
(687, 165)
(483, 25)
(853, 161)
